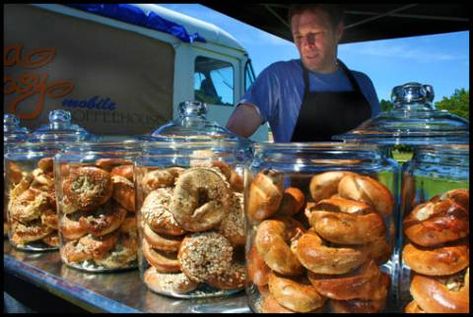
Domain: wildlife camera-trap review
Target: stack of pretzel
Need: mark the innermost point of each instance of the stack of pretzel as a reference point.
(437, 251)
(98, 215)
(193, 230)
(327, 261)
(32, 206)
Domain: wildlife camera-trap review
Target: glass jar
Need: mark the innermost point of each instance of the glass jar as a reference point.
(190, 217)
(435, 252)
(96, 204)
(13, 134)
(31, 209)
(320, 228)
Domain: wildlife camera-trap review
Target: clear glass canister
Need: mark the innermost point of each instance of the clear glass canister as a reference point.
(320, 228)
(96, 204)
(435, 254)
(13, 134)
(31, 209)
(190, 218)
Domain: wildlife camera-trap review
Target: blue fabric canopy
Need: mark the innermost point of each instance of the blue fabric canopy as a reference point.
(135, 15)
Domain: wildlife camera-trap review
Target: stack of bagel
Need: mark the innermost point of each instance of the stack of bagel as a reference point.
(193, 230)
(97, 215)
(326, 258)
(437, 253)
(32, 206)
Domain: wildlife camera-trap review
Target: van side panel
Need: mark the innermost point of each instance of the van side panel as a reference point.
(113, 81)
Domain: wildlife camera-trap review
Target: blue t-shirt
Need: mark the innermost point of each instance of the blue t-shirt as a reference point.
(278, 91)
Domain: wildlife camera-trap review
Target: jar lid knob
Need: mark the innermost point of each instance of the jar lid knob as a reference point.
(191, 108)
(412, 96)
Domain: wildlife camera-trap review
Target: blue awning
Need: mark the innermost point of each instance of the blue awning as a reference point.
(135, 15)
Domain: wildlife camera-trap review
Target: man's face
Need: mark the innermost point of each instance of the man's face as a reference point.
(316, 40)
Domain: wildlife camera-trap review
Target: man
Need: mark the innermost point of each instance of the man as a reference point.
(311, 98)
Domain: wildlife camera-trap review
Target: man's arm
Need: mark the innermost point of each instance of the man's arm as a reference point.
(244, 121)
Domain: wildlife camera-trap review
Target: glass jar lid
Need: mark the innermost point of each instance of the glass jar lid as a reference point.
(12, 131)
(192, 125)
(414, 120)
(60, 128)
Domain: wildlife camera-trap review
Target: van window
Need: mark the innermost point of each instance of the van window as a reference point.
(249, 74)
(213, 81)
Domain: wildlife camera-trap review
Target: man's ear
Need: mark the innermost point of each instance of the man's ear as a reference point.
(339, 31)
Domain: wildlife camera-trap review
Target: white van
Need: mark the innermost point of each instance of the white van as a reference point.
(115, 68)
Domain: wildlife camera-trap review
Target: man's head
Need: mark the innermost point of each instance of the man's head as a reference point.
(316, 30)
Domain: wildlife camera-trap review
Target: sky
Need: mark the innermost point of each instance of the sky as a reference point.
(441, 60)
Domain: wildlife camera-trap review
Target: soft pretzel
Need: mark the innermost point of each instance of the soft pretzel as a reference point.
(434, 223)
(87, 248)
(413, 308)
(70, 227)
(258, 271)
(103, 220)
(296, 294)
(200, 199)
(318, 258)
(443, 260)
(357, 306)
(29, 205)
(160, 241)
(365, 283)
(163, 261)
(272, 241)
(52, 240)
(22, 234)
(271, 306)
(50, 218)
(168, 283)
(447, 295)
(205, 255)
(460, 196)
(293, 200)
(123, 255)
(236, 182)
(88, 187)
(368, 190)
(14, 172)
(156, 213)
(232, 226)
(265, 195)
(340, 204)
(380, 249)
(124, 192)
(325, 184)
(109, 163)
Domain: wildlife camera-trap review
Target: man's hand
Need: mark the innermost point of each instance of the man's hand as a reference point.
(244, 121)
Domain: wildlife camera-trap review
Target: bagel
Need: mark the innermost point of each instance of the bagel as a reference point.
(444, 260)
(460, 196)
(413, 308)
(232, 226)
(265, 195)
(70, 227)
(433, 223)
(298, 295)
(344, 228)
(14, 172)
(168, 283)
(103, 220)
(163, 261)
(129, 225)
(447, 295)
(160, 242)
(368, 190)
(156, 213)
(29, 205)
(46, 164)
(271, 306)
(205, 255)
(123, 171)
(293, 200)
(325, 184)
(88, 187)
(21, 234)
(42, 180)
(258, 271)
(272, 240)
(109, 163)
(200, 199)
(380, 249)
(233, 278)
(124, 192)
(87, 248)
(318, 258)
(357, 306)
(160, 178)
(340, 204)
(365, 283)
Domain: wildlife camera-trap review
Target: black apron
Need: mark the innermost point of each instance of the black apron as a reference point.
(324, 114)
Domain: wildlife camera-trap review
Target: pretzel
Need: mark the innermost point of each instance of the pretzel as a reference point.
(160, 178)
(357, 306)
(168, 283)
(163, 261)
(413, 308)
(104, 219)
(265, 195)
(124, 192)
(87, 248)
(460, 196)
(325, 184)
(29, 205)
(160, 241)
(109, 163)
(293, 200)
(70, 227)
(124, 171)
(271, 306)
(22, 234)
(123, 255)
(258, 271)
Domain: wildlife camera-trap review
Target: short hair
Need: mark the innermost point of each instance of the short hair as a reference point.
(334, 11)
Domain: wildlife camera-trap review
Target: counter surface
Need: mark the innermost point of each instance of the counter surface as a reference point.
(106, 292)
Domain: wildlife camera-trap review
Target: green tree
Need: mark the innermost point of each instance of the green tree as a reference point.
(458, 103)
(386, 105)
